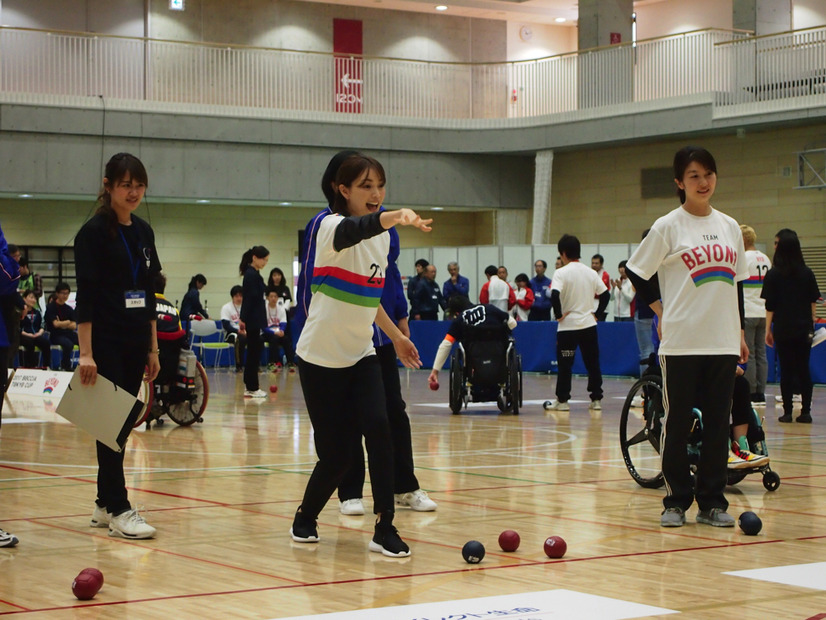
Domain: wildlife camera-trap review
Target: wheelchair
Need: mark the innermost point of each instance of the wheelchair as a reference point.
(641, 428)
(183, 400)
(484, 368)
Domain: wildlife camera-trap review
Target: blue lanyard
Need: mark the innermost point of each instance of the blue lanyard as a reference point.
(134, 264)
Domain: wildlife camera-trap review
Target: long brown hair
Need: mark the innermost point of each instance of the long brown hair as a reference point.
(116, 169)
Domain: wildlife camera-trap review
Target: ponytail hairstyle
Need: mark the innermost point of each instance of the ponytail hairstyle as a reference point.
(348, 173)
(116, 169)
(329, 176)
(197, 279)
(258, 251)
(684, 157)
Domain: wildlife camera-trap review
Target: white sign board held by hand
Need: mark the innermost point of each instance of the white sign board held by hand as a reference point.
(102, 410)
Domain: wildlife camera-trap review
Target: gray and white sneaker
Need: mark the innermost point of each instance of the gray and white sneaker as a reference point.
(100, 517)
(255, 394)
(351, 506)
(673, 517)
(417, 500)
(130, 524)
(596, 405)
(716, 517)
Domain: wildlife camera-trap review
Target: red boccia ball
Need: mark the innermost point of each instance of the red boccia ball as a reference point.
(86, 585)
(555, 547)
(509, 540)
(95, 571)
(434, 385)
(273, 388)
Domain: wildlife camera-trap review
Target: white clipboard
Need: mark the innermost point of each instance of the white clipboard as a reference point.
(102, 410)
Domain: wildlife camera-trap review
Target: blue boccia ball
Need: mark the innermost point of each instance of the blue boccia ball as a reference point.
(750, 523)
(473, 552)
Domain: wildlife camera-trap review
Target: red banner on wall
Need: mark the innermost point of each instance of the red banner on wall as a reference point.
(347, 50)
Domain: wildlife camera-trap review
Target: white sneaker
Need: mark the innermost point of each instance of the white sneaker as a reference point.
(255, 394)
(417, 500)
(596, 405)
(637, 401)
(100, 517)
(796, 398)
(351, 506)
(555, 405)
(130, 524)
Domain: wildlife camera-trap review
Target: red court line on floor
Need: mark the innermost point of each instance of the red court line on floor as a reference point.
(147, 547)
(407, 576)
(136, 489)
(13, 605)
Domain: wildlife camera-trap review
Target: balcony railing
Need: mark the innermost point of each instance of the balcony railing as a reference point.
(736, 67)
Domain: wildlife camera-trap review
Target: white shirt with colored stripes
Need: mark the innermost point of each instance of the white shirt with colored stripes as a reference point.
(347, 288)
(759, 265)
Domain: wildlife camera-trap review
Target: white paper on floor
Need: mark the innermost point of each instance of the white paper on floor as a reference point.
(803, 575)
(556, 604)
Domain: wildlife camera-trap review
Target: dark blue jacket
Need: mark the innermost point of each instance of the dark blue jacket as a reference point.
(462, 287)
(539, 286)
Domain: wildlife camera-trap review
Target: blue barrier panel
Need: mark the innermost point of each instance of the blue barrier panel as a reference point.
(618, 350)
(536, 343)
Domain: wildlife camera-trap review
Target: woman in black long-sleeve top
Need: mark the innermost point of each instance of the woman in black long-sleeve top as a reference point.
(790, 290)
(253, 315)
(191, 303)
(116, 263)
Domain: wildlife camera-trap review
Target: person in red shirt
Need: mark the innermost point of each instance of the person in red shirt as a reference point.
(524, 297)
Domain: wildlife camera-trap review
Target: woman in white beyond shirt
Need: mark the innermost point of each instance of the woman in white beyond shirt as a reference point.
(696, 256)
(339, 370)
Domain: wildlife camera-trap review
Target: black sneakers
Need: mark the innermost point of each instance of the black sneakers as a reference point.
(387, 541)
(304, 529)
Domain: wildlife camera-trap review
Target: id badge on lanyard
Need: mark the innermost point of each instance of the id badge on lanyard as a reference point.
(135, 298)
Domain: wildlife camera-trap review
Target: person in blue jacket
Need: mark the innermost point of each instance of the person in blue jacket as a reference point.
(9, 278)
(393, 300)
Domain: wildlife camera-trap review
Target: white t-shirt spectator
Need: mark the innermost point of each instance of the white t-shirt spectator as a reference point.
(699, 260)
(232, 313)
(499, 293)
(278, 315)
(623, 296)
(759, 265)
(577, 285)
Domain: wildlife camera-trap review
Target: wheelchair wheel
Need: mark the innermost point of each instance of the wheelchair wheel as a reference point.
(519, 365)
(146, 396)
(457, 381)
(640, 429)
(191, 411)
(514, 382)
(771, 480)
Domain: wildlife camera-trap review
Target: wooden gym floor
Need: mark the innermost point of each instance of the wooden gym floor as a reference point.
(222, 495)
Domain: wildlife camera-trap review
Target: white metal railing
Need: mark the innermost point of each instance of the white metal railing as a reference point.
(735, 66)
(774, 67)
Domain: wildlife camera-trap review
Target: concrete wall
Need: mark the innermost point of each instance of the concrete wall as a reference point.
(210, 239)
(401, 34)
(118, 17)
(664, 18)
